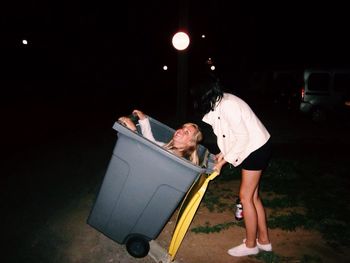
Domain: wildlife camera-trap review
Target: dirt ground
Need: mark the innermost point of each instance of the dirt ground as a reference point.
(290, 246)
(88, 245)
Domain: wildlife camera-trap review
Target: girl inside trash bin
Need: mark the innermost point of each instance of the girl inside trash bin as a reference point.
(184, 142)
(243, 141)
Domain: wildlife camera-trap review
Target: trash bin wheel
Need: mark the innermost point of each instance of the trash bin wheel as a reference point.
(137, 246)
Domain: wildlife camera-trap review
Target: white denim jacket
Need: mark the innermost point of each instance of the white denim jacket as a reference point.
(239, 131)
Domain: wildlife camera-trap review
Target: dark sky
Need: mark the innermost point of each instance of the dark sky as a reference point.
(81, 45)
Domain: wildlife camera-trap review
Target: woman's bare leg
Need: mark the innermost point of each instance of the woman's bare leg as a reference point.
(252, 214)
(263, 236)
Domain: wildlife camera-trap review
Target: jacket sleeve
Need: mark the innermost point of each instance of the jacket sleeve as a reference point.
(147, 131)
(232, 115)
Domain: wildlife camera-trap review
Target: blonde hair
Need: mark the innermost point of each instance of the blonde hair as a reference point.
(189, 152)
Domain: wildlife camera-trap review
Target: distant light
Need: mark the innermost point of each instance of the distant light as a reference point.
(165, 67)
(24, 42)
(203, 36)
(180, 41)
(212, 67)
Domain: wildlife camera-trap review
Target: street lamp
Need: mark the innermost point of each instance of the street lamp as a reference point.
(180, 42)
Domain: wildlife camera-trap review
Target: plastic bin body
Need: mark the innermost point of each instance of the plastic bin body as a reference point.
(142, 187)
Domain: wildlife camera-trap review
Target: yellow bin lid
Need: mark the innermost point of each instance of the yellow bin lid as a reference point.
(188, 209)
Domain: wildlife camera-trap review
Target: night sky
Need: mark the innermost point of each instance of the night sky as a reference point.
(83, 50)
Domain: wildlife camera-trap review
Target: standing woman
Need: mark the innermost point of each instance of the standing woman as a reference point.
(243, 140)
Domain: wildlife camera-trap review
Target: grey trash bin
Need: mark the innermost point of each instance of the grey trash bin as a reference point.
(142, 187)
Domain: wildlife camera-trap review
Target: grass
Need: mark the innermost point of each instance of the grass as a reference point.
(271, 257)
(320, 187)
(207, 228)
(311, 194)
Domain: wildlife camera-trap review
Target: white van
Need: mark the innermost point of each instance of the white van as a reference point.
(325, 91)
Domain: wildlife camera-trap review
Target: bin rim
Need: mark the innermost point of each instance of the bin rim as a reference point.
(138, 137)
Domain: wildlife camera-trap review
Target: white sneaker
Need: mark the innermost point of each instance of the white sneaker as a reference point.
(263, 247)
(243, 250)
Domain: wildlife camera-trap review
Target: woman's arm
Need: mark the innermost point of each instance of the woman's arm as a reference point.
(220, 161)
(146, 127)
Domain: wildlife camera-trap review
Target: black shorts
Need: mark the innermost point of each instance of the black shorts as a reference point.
(258, 159)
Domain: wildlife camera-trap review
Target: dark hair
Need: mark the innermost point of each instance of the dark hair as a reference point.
(211, 96)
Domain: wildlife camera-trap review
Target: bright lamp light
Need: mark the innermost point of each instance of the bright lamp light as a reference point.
(180, 41)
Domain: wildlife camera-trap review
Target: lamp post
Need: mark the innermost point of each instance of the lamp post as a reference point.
(180, 42)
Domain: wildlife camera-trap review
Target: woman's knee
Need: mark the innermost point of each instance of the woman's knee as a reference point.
(248, 198)
(245, 197)
(256, 200)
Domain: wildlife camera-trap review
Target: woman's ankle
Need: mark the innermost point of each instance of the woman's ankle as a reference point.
(263, 241)
(250, 244)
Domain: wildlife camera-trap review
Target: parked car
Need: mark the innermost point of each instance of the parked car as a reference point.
(325, 91)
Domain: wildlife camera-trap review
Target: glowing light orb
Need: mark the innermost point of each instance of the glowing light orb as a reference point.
(180, 41)
(165, 67)
(212, 67)
(24, 42)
